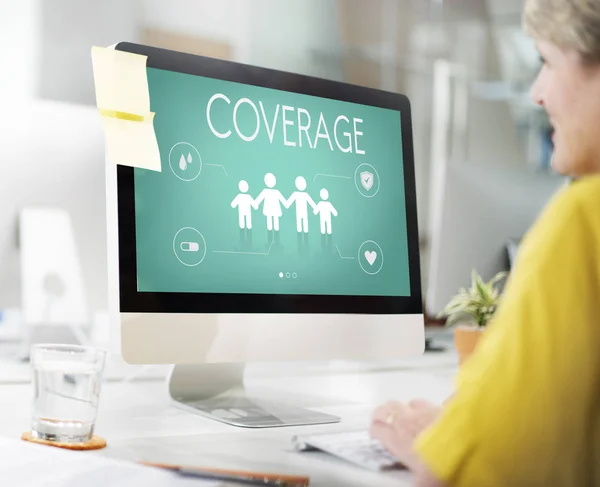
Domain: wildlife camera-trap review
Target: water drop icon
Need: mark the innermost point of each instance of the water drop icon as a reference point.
(189, 158)
(182, 163)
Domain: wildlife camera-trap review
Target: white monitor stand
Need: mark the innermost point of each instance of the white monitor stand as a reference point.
(321, 263)
(218, 391)
(225, 344)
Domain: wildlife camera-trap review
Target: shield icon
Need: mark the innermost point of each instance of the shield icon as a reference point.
(367, 179)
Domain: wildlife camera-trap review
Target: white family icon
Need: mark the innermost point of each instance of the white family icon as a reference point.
(272, 199)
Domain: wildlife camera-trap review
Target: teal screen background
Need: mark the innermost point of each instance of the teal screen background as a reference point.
(188, 236)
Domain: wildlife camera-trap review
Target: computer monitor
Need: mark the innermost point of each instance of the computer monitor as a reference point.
(282, 227)
(52, 156)
(480, 215)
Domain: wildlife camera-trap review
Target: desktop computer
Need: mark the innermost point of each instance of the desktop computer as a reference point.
(52, 221)
(479, 217)
(281, 227)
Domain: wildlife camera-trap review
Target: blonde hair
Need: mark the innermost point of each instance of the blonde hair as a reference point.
(573, 24)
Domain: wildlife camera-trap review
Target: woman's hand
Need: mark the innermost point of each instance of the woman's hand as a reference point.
(396, 425)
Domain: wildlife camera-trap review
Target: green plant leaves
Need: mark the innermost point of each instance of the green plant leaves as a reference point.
(476, 304)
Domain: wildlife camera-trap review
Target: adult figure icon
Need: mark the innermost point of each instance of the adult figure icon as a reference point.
(271, 199)
(302, 200)
(244, 202)
(325, 210)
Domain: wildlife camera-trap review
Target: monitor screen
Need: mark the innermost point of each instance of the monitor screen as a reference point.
(265, 191)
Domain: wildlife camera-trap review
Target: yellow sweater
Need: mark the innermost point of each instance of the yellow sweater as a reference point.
(527, 406)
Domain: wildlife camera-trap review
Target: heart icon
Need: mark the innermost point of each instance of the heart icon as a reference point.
(371, 256)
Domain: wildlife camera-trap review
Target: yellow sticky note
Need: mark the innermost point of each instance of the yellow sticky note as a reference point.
(123, 99)
(120, 80)
(132, 143)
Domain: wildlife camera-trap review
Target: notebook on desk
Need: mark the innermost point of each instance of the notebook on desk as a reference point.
(29, 465)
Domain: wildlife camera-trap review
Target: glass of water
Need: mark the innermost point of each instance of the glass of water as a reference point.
(67, 380)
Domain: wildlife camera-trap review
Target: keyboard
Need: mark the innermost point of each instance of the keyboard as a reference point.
(356, 447)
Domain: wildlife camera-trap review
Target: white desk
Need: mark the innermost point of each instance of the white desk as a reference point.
(139, 423)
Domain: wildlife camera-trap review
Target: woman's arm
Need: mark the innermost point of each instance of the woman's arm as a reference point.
(425, 478)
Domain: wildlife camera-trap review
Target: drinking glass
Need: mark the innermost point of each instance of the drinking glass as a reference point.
(67, 380)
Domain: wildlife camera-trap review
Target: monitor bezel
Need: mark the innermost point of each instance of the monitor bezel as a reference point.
(132, 301)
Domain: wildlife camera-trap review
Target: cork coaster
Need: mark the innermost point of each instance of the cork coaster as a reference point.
(96, 443)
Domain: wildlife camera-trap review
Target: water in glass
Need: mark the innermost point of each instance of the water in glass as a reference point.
(66, 397)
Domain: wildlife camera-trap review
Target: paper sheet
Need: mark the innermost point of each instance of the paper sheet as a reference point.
(123, 98)
(132, 143)
(25, 464)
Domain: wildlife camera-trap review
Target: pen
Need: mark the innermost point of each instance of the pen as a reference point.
(240, 477)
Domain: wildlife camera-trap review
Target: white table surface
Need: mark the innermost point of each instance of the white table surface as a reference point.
(140, 423)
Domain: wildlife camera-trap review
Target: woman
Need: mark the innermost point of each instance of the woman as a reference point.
(526, 410)
(273, 199)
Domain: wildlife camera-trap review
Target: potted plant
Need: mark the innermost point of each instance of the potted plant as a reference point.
(470, 311)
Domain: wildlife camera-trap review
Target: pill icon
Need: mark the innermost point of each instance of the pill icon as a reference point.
(190, 246)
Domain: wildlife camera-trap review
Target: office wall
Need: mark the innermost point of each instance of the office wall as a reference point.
(189, 43)
(19, 36)
(215, 19)
(270, 33)
(206, 26)
(290, 36)
(492, 132)
(68, 29)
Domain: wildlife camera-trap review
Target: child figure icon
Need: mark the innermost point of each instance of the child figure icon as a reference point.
(244, 202)
(325, 210)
